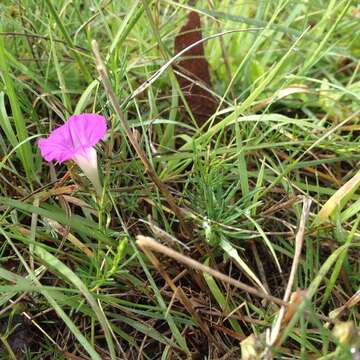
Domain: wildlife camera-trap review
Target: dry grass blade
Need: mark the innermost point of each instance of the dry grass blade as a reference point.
(163, 235)
(339, 198)
(70, 237)
(145, 242)
(299, 240)
(353, 301)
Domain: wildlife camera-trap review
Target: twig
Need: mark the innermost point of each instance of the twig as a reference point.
(12, 303)
(37, 36)
(145, 242)
(140, 152)
(299, 240)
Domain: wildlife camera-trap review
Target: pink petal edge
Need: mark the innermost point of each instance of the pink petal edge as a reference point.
(74, 137)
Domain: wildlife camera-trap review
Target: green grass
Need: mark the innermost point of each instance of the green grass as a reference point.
(72, 279)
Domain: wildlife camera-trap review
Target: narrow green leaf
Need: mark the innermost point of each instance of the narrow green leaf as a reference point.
(85, 97)
(67, 37)
(82, 225)
(233, 253)
(24, 152)
(70, 276)
(220, 298)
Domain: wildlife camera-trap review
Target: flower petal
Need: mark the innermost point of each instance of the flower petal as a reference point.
(86, 130)
(52, 150)
(78, 134)
(87, 161)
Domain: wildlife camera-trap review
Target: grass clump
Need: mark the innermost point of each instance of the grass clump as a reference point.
(74, 283)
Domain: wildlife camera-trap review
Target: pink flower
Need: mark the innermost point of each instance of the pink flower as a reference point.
(75, 140)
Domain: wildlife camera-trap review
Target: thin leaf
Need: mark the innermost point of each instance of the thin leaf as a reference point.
(233, 253)
(65, 271)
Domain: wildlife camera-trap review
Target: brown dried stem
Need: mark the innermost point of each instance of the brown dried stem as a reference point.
(299, 240)
(145, 242)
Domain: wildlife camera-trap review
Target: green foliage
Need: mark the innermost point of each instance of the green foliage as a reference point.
(287, 125)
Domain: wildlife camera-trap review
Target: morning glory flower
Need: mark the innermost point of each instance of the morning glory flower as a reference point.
(75, 140)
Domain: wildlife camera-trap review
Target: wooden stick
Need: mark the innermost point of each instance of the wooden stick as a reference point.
(299, 240)
(145, 242)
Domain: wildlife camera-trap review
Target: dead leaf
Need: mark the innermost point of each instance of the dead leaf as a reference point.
(73, 239)
(296, 299)
(347, 333)
(338, 199)
(229, 332)
(356, 12)
(193, 70)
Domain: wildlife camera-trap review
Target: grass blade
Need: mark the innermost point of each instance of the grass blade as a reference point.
(24, 152)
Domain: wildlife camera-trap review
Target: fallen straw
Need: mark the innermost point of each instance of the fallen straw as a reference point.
(145, 242)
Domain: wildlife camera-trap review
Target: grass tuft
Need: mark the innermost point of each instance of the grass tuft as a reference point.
(202, 245)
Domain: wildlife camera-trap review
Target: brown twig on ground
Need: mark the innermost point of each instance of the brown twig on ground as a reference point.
(145, 242)
(299, 240)
(140, 152)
